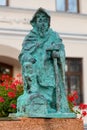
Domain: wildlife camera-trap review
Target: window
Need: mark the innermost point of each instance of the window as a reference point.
(3, 2)
(6, 69)
(68, 5)
(74, 76)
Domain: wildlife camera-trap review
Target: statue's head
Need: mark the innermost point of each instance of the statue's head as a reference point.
(41, 21)
(40, 13)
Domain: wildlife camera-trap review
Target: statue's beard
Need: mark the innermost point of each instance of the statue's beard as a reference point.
(42, 30)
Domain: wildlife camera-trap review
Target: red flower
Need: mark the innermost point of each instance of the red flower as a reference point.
(84, 113)
(75, 95)
(13, 106)
(2, 99)
(11, 94)
(18, 82)
(82, 106)
(71, 98)
(13, 86)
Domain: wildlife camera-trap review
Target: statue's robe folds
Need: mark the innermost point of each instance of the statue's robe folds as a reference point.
(38, 66)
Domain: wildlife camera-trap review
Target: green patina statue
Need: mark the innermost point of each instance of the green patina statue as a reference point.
(43, 69)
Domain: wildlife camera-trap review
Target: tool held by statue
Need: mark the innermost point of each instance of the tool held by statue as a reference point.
(54, 51)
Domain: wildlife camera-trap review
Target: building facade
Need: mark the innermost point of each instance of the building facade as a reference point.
(68, 18)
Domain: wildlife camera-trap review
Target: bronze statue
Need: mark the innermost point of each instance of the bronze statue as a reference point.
(43, 68)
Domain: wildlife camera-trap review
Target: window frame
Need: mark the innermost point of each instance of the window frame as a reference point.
(7, 3)
(80, 74)
(66, 7)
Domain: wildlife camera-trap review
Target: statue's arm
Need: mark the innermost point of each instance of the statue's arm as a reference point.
(28, 46)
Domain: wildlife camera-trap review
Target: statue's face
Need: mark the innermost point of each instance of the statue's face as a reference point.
(42, 23)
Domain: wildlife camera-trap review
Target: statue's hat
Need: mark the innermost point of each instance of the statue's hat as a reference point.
(40, 10)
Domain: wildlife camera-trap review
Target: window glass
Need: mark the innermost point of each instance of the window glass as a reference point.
(6, 69)
(66, 66)
(72, 5)
(67, 5)
(66, 84)
(75, 66)
(2, 2)
(75, 85)
(61, 5)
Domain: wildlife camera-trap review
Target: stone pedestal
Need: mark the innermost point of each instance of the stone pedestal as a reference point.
(42, 124)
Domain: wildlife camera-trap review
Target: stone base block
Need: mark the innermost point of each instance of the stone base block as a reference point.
(42, 124)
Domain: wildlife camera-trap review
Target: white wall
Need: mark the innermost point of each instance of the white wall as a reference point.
(33, 4)
(83, 6)
(47, 4)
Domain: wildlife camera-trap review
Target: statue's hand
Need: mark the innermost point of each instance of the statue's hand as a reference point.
(55, 54)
